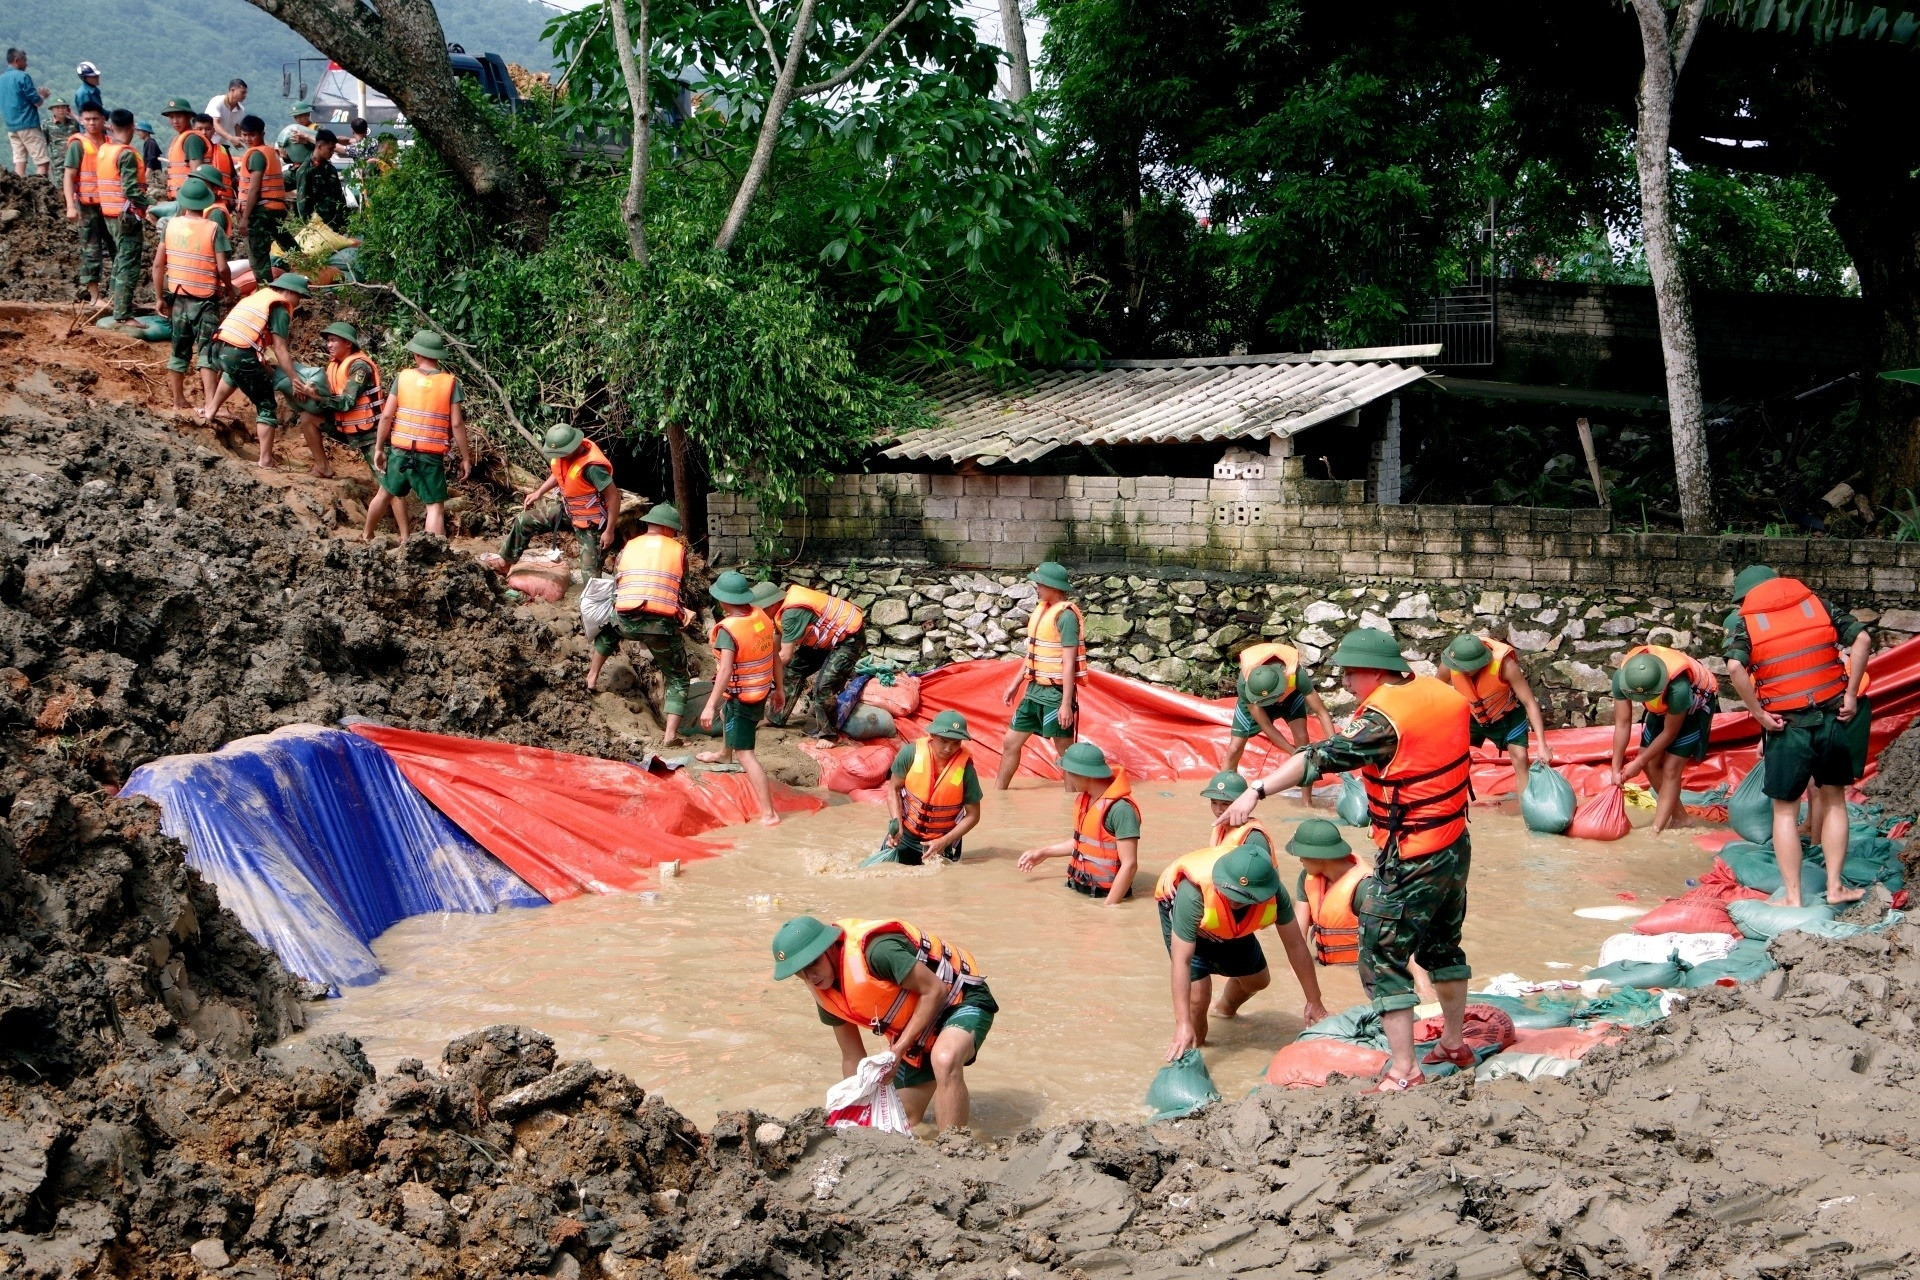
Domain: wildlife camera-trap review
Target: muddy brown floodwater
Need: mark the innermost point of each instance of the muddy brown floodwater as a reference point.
(675, 988)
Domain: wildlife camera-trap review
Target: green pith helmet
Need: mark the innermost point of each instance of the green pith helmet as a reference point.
(732, 587)
(302, 109)
(1467, 654)
(194, 195)
(801, 941)
(1246, 876)
(950, 724)
(1225, 786)
(561, 440)
(1364, 647)
(1052, 575)
(292, 282)
(1749, 578)
(342, 330)
(1084, 760)
(767, 593)
(1318, 838)
(663, 515)
(427, 343)
(1268, 684)
(1643, 677)
(212, 176)
(177, 107)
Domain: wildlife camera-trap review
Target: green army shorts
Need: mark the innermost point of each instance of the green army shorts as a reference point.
(1509, 729)
(1413, 911)
(1815, 747)
(422, 474)
(1036, 715)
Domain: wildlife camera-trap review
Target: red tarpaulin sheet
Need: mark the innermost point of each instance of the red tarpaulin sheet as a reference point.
(571, 824)
(1155, 733)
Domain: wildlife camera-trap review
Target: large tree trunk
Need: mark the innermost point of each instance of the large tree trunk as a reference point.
(1013, 38)
(783, 92)
(1665, 55)
(1878, 218)
(401, 50)
(636, 70)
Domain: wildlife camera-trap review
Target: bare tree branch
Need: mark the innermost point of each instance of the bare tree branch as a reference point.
(753, 11)
(777, 105)
(853, 68)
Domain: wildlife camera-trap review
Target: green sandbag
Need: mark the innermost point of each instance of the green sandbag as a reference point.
(1748, 810)
(1871, 859)
(887, 853)
(1535, 1012)
(1754, 866)
(1181, 1088)
(1748, 960)
(1548, 802)
(1847, 929)
(1359, 1025)
(1352, 805)
(1626, 1007)
(1643, 974)
(1767, 919)
(869, 722)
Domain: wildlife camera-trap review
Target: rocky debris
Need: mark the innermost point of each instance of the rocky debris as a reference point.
(39, 249)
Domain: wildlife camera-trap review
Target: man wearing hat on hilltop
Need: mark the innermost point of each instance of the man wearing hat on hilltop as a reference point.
(651, 606)
(926, 999)
(88, 94)
(60, 131)
(1213, 904)
(933, 795)
(421, 422)
(1486, 672)
(187, 150)
(348, 410)
(190, 276)
(1104, 851)
(1800, 665)
(586, 502)
(1412, 743)
(258, 324)
(747, 677)
(1273, 686)
(1050, 672)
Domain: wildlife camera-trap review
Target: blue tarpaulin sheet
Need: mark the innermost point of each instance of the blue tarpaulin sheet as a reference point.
(315, 840)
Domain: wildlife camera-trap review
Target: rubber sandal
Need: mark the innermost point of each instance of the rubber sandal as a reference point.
(1389, 1083)
(726, 767)
(493, 562)
(1462, 1057)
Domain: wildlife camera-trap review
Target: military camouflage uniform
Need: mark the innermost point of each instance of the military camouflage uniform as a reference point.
(129, 236)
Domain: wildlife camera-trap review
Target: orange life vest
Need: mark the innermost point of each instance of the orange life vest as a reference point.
(648, 576)
(1486, 689)
(1419, 801)
(756, 647)
(192, 268)
(1333, 927)
(930, 806)
(365, 413)
(585, 507)
(834, 618)
(179, 168)
(1046, 655)
(106, 177)
(219, 158)
(86, 179)
(1096, 853)
(1794, 648)
(248, 324)
(1221, 919)
(1260, 655)
(1706, 686)
(424, 421)
(863, 998)
(273, 184)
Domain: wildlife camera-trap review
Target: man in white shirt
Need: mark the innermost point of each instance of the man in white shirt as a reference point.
(227, 111)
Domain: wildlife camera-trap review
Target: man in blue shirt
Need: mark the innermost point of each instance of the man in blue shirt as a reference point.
(20, 111)
(88, 93)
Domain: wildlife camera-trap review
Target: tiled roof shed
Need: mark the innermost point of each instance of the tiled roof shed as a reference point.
(1127, 402)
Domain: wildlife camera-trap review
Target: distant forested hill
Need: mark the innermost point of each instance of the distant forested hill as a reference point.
(152, 50)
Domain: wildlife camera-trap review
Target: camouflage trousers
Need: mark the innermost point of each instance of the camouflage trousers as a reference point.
(830, 669)
(669, 650)
(1413, 911)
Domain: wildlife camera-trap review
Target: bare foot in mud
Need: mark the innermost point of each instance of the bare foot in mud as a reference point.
(673, 742)
(708, 757)
(770, 820)
(1220, 1009)
(1840, 897)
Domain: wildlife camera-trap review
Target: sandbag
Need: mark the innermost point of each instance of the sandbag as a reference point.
(1749, 811)
(1522, 1065)
(867, 1099)
(1488, 1028)
(1181, 1087)
(1755, 867)
(1697, 911)
(1623, 1007)
(899, 699)
(1694, 948)
(1548, 801)
(1536, 1012)
(1306, 1064)
(537, 586)
(1871, 859)
(1848, 929)
(596, 605)
(1352, 805)
(858, 769)
(1358, 1025)
(882, 856)
(1604, 817)
(1763, 920)
(865, 723)
(1572, 1043)
(1642, 974)
(1748, 961)
(849, 699)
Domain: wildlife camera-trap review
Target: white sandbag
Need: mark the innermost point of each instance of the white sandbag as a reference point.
(867, 1099)
(1645, 948)
(1527, 1066)
(596, 605)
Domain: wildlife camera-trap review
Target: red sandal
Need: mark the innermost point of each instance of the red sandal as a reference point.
(1461, 1056)
(1390, 1083)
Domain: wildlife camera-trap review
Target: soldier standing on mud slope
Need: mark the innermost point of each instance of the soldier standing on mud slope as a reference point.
(651, 606)
(586, 503)
(82, 185)
(120, 178)
(1411, 743)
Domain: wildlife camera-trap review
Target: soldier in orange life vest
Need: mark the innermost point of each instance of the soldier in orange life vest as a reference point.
(82, 184)
(746, 654)
(1332, 882)
(1213, 904)
(260, 322)
(928, 1000)
(933, 794)
(422, 421)
(824, 636)
(587, 502)
(120, 180)
(1799, 663)
(1487, 674)
(1680, 696)
(263, 196)
(650, 605)
(348, 410)
(1273, 686)
(187, 151)
(190, 276)
(1104, 850)
(1411, 742)
(1050, 674)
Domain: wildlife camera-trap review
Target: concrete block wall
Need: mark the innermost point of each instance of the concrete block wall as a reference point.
(1283, 526)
